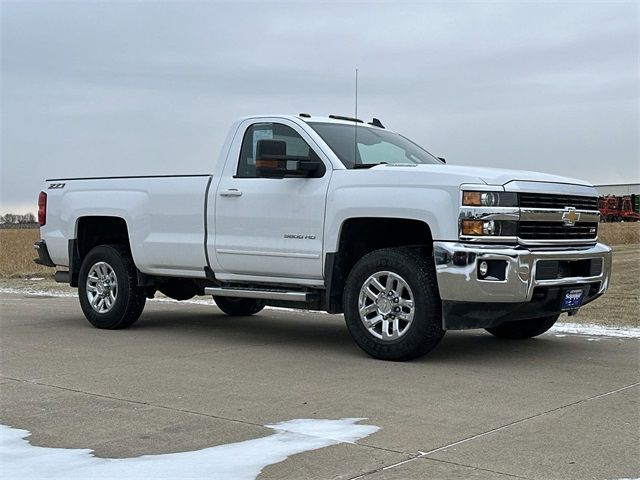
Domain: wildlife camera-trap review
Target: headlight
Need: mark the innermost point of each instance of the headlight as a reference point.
(488, 228)
(489, 199)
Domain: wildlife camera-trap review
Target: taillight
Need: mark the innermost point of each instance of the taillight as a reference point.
(42, 208)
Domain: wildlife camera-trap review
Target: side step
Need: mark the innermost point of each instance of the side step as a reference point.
(291, 296)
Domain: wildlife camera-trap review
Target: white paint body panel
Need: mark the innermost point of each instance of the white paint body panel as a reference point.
(251, 229)
(168, 217)
(164, 217)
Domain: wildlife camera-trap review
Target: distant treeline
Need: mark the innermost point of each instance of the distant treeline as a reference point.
(12, 220)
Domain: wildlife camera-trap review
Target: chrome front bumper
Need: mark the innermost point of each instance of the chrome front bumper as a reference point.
(457, 267)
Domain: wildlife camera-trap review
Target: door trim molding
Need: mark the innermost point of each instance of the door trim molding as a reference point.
(267, 254)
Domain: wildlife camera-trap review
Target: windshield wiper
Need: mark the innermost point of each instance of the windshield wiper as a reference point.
(367, 165)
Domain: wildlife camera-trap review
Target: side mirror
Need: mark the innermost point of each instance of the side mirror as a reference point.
(273, 162)
(442, 159)
(286, 166)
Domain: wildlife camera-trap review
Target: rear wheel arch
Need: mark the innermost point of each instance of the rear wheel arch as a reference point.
(90, 232)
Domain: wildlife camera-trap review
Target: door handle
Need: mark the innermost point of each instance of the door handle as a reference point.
(231, 192)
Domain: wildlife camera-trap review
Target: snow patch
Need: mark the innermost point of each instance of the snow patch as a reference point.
(596, 330)
(37, 293)
(233, 461)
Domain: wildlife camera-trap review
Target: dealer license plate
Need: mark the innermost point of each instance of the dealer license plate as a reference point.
(572, 299)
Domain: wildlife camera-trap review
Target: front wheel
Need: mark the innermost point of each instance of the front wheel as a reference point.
(391, 304)
(107, 286)
(238, 307)
(523, 329)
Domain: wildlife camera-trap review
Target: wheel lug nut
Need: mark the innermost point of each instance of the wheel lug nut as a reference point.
(392, 316)
(397, 309)
(396, 300)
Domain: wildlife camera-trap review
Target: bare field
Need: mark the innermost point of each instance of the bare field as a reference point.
(619, 233)
(621, 304)
(17, 254)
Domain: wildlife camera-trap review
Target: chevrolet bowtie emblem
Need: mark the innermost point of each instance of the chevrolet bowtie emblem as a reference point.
(570, 216)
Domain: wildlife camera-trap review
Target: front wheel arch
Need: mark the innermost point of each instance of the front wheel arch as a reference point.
(360, 236)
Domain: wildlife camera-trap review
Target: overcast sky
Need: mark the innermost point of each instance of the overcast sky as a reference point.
(118, 88)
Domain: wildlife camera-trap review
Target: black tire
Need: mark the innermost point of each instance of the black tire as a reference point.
(129, 300)
(523, 329)
(418, 272)
(239, 307)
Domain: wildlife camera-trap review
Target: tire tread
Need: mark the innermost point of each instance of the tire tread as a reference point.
(124, 314)
(426, 330)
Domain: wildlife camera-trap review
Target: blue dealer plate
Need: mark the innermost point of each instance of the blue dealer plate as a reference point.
(572, 298)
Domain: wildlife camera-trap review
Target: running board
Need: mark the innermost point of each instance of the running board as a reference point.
(291, 296)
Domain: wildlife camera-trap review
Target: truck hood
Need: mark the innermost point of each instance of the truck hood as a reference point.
(490, 176)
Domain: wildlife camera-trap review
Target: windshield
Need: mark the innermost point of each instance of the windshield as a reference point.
(374, 146)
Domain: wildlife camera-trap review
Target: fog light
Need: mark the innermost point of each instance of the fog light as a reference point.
(483, 269)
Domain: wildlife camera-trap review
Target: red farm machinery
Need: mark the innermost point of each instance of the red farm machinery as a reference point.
(619, 208)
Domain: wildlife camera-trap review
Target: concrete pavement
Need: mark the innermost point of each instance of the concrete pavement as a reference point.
(186, 377)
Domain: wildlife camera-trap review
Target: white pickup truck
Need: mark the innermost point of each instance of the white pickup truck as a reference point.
(338, 215)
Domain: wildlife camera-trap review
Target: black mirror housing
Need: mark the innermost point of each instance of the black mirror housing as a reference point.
(272, 161)
(281, 166)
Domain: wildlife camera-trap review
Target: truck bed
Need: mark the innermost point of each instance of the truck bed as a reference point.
(165, 217)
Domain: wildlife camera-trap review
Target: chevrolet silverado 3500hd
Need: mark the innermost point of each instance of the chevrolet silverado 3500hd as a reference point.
(337, 215)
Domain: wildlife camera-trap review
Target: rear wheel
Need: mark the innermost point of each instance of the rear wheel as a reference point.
(239, 307)
(107, 288)
(391, 304)
(523, 329)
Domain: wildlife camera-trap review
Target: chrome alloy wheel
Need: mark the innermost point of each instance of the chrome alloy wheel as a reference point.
(386, 305)
(102, 287)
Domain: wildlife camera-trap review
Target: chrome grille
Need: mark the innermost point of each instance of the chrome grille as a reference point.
(545, 200)
(557, 231)
(547, 219)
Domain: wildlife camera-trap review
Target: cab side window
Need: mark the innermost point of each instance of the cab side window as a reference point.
(295, 144)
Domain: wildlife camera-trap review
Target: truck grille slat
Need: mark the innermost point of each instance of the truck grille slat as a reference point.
(544, 200)
(557, 231)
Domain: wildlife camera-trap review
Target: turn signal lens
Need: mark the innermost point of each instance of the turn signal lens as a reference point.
(489, 199)
(471, 199)
(489, 228)
(472, 227)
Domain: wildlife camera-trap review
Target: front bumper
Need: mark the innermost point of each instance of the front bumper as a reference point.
(463, 292)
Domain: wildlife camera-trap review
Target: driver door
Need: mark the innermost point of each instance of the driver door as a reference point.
(270, 227)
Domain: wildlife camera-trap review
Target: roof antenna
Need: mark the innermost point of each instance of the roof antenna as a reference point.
(355, 140)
